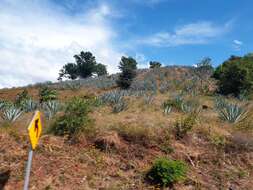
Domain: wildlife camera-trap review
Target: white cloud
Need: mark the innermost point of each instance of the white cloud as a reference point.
(37, 38)
(141, 60)
(237, 45)
(193, 33)
(237, 42)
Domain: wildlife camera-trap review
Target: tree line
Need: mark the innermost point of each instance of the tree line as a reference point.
(86, 66)
(234, 76)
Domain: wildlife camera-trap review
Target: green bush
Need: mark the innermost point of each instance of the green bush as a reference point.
(74, 119)
(21, 98)
(47, 94)
(184, 125)
(165, 172)
(235, 75)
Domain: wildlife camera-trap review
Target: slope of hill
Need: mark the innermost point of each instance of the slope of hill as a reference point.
(129, 129)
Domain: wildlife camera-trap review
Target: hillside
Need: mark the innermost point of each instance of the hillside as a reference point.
(170, 112)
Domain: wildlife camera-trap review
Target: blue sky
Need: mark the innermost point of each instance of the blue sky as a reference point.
(38, 37)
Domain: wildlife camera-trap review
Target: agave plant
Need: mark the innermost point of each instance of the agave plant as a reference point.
(186, 107)
(112, 97)
(164, 87)
(148, 99)
(175, 102)
(2, 105)
(29, 105)
(189, 106)
(167, 109)
(11, 113)
(120, 106)
(51, 108)
(220, 102)
(232, 113)
(72, 85)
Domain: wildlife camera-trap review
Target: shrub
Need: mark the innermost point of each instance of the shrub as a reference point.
(74, 119)
(219, 141)
(128, 68)
(21, 97)
(235, 75)
(47, 94)
(165, 172)
(184, 125)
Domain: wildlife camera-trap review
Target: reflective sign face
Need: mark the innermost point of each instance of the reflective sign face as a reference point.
(35, 129)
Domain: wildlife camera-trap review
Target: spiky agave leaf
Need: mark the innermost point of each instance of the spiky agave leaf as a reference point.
(220, 102)
(120, 106)
(29, 105)
(148, 99)
(2, 104)
(11, 113)
(51, 108)
(112, 97)
(167, 109)
(186, 107)
(189, 106)
(232, 113)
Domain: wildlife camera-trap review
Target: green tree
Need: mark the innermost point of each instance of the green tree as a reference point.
(235, 75)
(204, 70)
(154, 64)
(47, 94)
(101, 70)
(128, 66)
(205, 63)
(85, 66)
(69, 71)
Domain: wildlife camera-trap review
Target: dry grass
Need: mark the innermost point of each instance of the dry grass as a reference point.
(117, 149)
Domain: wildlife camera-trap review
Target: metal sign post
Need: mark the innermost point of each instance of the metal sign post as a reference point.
(34, 131)
(28, 169)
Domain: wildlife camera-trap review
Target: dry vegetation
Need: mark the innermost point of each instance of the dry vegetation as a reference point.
(116, 150)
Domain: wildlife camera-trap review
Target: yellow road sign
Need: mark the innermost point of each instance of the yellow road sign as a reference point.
(34, 129)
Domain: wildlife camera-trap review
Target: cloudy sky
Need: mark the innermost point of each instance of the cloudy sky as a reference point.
(37, 37)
